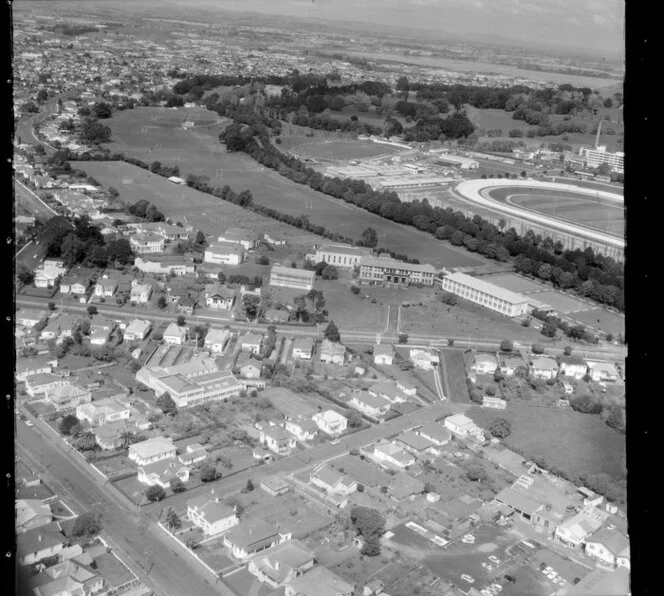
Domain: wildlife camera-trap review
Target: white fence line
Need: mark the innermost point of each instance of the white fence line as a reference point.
(191, 552)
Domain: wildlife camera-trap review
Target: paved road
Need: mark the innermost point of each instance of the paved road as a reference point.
(350, 336)
(171, 572)
(305, 459)
(32, 202)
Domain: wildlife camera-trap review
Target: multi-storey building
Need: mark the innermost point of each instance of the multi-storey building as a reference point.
(341, 255)
(286, 277)
(383, 270)
(486, 294)
(596, 156)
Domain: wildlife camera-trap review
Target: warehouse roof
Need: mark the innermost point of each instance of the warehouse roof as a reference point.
(486, 287)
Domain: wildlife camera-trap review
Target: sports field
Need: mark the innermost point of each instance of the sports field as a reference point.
(342, 150)
(599, 214)
(560, 302)
(514, 283)
(197, 151)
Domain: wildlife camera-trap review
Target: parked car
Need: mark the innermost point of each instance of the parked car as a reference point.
(495, 560)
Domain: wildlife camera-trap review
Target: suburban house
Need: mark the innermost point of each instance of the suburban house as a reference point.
(31, 514)
(319, 581)
(424, 359)
(332, 481)
(277, 439)
(303, 348)
(249, 367)
(463, 426)
(104, 410)
(418, 445)
(219, 297)
(373, 406)
(575, 530)
(194, 454)
(216, 340)
(105, 287)
(43, 383)
(46, 278)
(287, 277)
(304, 429)
(253, 536)
(162, 472)
(331, 352)
(140, 293)
(573, 366)
(26, 367)
(171, 265)
(99, 337)
(544, 367)
(37, 544)
(493, 402)
(610, 547)
(330, 422)
(603, 371)
(137, 330)
(274, 485)
(67, 578)
(101, 323)
(75, 285)
(407, 387)
(389, 390)
(484, 364)
(383, 354)
(109, 436)
(250, 342)
(282, 563)
(210, 515)
(435, 432)
(224, 253)
(147, 243)
(246, 238)
(65, 397)
(29, 318)
(392, 454)
(186, 305)
(175, 334)
(152, 450)
(403, 486)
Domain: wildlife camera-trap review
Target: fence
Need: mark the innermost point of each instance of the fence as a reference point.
(191, 552)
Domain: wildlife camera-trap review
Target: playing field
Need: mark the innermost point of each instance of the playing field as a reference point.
(599, 214)
(599, 318)
(560, 302)
(341, 150)
(514, 283)
(197, 151)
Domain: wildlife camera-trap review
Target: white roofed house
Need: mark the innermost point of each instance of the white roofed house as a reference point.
(303, 348)
(74, 284)
(166, 265)
(253, 536)
(195, 453)
(319, 581)
(575, 530)
(407, 387)
(105, 287)
(102, 411)
(463, 426)
(219, 297)
(303, 428)
(147, 243)
(32, 366)
(66, 397)
(393, 454)
(332, 353)
(31, 514)
(210, 515)
(137, 330)
(162, 472)
(341, 255)
(224, 253)
(389, 390)
(282, 563)
(29, 318)
(544, 367)
(174, 334)
(609, 546)
(44, 383)
(374, 406)
(383, 354)
(140, 293)
(573, 366)
(277, 439)
(435, 432)
(216, 340)
(603, 371)
(152, 450)
(330, 422)
(46, 278)
(484, 364)
(424, 359)
(332, 481)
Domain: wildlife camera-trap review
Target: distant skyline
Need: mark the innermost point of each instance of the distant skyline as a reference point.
(596, 25)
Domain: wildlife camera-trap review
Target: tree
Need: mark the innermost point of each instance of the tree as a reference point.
(506, 346)
(120, 251)
(403, 338)
(177, 486)
(263, 260)
(476, 472)
(331, 333)
(127, 438)
(449, 298)
(87, 524)
(166, 404)
(608, 103)
(161, 302)
(537, 349)
(209, 473)
(567, 350)
(586, 404)
(102, 110)
(221, 277)
(330, 272)
(155, 493)
(92, 310)
(251, 304)
(68, 424)
(173, 521)
(429, 487)
(354, 419)
(181, 321)
(371, 547)
(86, 441)
(24, 274)
(367, 522)
(369, 238)
(51, 306)
(549, 329)
(500, 428)
(250, 486)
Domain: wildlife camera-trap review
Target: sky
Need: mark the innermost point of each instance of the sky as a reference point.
(591, 24)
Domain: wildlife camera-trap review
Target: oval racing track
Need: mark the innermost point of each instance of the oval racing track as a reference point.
(477, 193)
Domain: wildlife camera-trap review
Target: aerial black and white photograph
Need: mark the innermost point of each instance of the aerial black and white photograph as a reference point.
(318, 298)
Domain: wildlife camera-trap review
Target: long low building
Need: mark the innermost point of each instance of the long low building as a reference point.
(384, 270)
(341, 255)
(287, 277)
(486, 294)
(192, 383)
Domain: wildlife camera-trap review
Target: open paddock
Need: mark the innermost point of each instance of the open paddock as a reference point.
(342, 150)
(607, 321)
(589, 445)
(561, 303)
(514, 283)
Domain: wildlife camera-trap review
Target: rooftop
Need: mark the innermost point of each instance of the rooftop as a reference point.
(389, 263)
(250, 532)
(488, 288)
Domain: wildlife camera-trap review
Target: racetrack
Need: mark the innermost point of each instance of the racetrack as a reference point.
(594, 215)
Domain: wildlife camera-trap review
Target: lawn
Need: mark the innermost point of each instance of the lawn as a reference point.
(605, 320)
(514, 283)
(561, 303)
(567, 440)
(454, 375)
(112, 570)
(350, 311)
(341, 150)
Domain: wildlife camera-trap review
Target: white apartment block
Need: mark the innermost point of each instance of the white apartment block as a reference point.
(486, 294)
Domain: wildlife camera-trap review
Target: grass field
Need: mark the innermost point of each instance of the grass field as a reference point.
(514, 283)
(181, 203)
(602, 319)
(573, 442)
(454, 375)
(340, 150)
(559, 301)
(197, 151)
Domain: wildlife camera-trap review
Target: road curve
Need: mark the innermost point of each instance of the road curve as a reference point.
(474, 191)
